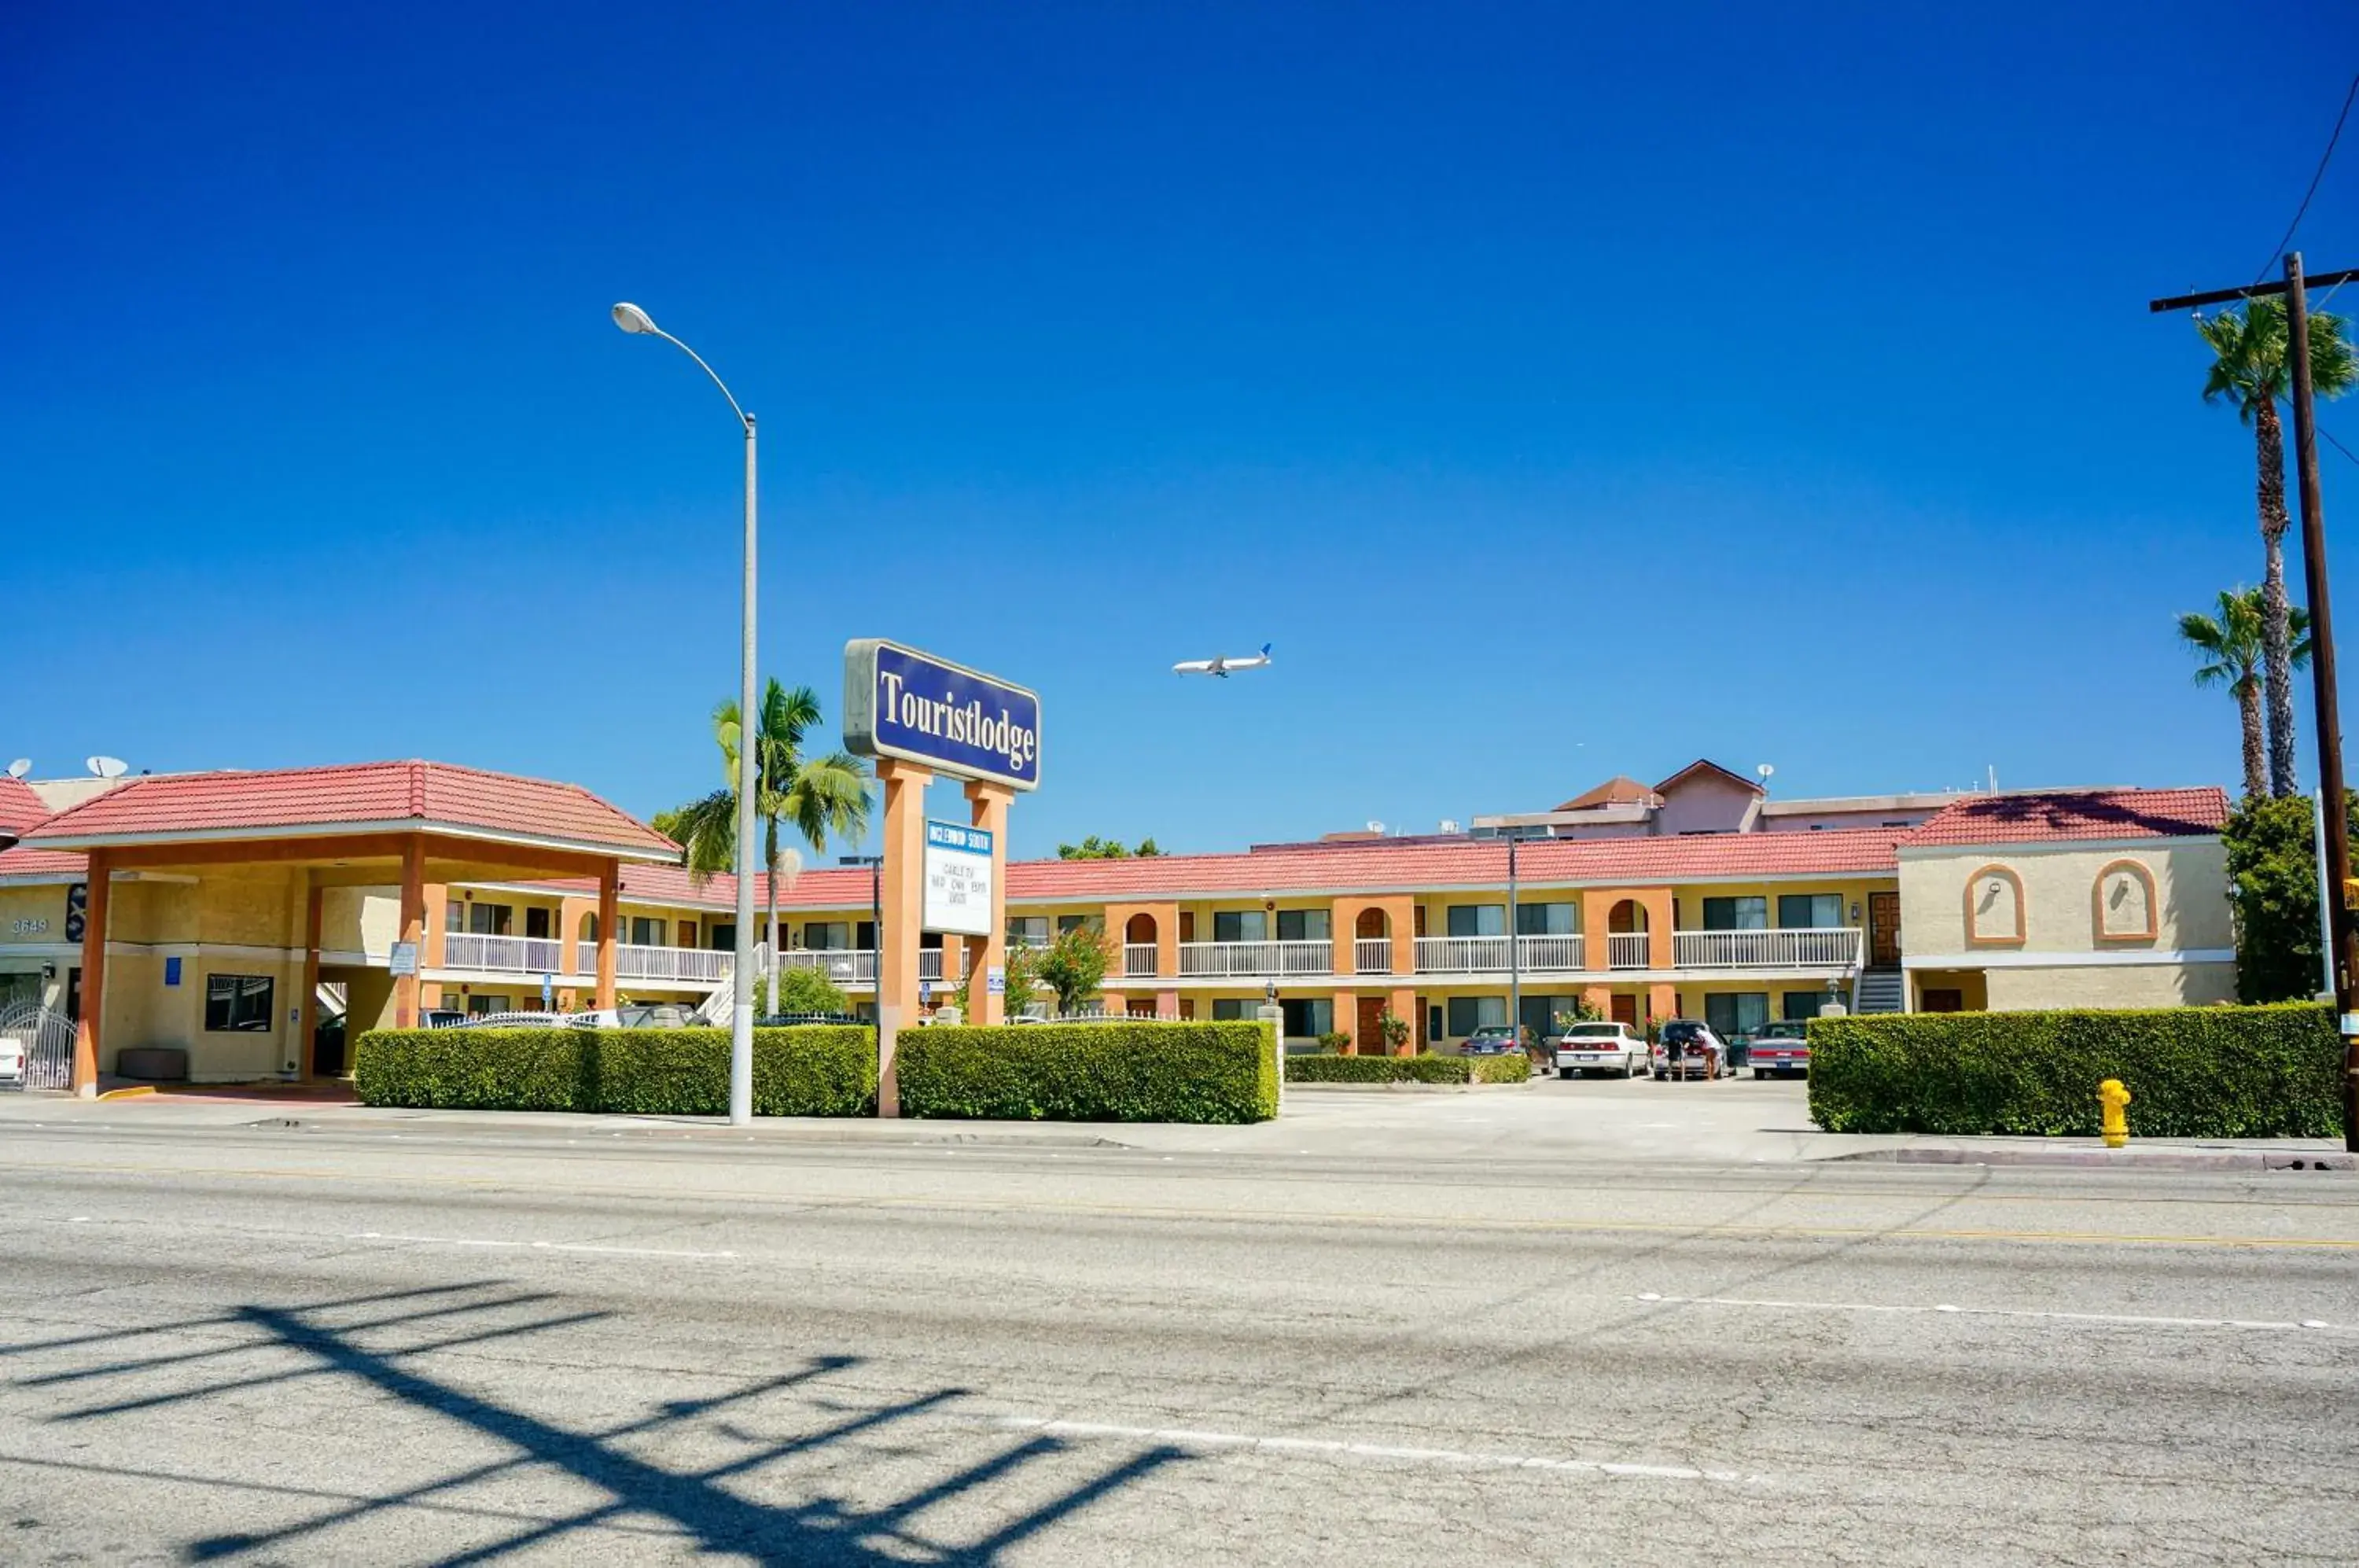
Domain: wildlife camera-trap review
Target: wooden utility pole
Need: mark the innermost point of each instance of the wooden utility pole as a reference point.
(2322, 660)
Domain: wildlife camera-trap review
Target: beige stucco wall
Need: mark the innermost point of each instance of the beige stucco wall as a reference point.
(2111, 986)
(2059, 896)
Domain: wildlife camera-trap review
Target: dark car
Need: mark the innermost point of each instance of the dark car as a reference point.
(1686, 1049)
(1781, 1048)
(1498, 1040)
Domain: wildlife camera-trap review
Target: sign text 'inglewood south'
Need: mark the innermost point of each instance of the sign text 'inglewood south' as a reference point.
(899, 702)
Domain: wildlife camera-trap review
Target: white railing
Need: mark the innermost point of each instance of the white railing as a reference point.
(1488, 954)
(687, 966)
(845, 965)
(502, 954)
(1372, 954)
(1137, 959)
(931, 962)
(1818, 947)
(1627, 950)
(1256, 958)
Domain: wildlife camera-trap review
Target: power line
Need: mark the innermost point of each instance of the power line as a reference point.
(2337, 445)
(2323, 159)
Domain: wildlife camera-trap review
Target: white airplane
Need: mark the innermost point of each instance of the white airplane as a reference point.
(1222, 665)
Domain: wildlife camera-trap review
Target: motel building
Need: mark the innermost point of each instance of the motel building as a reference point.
(227, 915)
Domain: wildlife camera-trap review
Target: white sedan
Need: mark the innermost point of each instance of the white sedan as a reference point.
(1599, 1047)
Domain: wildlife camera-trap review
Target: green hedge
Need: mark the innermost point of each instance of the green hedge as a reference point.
(2273, 1071)
(1421, 1069)
(824, 1069)
(1151, 1071)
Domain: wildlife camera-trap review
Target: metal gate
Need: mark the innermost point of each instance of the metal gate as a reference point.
(47, 1038)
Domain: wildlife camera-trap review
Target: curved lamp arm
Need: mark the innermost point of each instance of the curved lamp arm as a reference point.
(743, 417)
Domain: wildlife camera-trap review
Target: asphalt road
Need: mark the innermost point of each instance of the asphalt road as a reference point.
(542, 1344)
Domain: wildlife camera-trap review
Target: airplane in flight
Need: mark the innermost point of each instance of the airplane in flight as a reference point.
(1222, 665)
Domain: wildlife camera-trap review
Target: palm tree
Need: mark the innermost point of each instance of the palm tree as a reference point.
(2229, 646)
(2250, 369)
(816, 796)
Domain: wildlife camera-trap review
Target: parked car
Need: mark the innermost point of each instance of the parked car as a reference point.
(1496, 1039)
(1685, 1048)
(12, 1062)
(656, 1015)
(1781, 1048)
(1599, 1047)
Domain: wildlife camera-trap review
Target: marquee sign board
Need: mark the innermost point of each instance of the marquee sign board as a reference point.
(958, 880)
(901, 704)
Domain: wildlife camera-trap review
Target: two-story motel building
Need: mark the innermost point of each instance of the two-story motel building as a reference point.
(240, 906)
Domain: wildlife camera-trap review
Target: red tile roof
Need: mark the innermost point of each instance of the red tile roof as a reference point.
(459, 801)
(19, 807)
(23, 864)
(1619, 790)
(2074, 814)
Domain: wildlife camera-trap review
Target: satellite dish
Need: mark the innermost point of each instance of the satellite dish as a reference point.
(1765, 771)
(1449, 824)
(20, 767)
(1376, 827)
(106, 767)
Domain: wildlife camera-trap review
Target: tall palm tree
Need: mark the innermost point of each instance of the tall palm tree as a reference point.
(2251, 370)
(2229, 646)
(815, 795)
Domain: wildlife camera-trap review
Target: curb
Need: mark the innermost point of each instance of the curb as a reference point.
(1406, 1088)
(134, 1093)
(2110, 1158)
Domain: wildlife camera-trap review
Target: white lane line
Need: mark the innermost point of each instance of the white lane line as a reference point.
(1652, 1297)
(1187, 1437)
(534, 1245)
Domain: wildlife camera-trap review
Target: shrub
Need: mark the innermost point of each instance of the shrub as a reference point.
(1333, 1041)
(1513, 1068)
(2272, 860)
(1421, 1069)
(800, 990)
(827, 1070)
(1155, 1070)
(2273, 1071)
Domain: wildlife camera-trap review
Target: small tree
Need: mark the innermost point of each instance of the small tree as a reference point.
(1020, 971)
(1396, 1030)
(2272, 855)
(1075, 964)
(1095, 848)
(801, 990)
(1583, 1011)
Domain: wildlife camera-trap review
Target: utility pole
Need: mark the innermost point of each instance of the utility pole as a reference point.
(2329, 721)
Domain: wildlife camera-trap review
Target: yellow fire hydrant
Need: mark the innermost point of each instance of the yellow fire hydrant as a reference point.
(2117, 1126)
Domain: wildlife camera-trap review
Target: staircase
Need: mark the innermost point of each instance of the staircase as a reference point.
(1879, 991)
(721, 1001)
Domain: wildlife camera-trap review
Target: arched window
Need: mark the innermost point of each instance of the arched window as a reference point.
(2127, 909)
(1995, 911)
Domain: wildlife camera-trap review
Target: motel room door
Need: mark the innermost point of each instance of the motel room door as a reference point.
(1370, 1034)
(1624, 1010)
(1883, 930)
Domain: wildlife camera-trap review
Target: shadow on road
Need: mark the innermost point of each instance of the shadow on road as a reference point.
(695, 1509)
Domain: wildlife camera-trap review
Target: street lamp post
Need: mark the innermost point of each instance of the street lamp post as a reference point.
(631, 318)
(876, 921)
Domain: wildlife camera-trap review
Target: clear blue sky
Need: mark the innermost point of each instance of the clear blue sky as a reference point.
(1565, 393)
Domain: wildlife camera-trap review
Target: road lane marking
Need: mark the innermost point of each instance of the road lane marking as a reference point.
(2135, 1320)
(1190, 1437)
(534, 1245)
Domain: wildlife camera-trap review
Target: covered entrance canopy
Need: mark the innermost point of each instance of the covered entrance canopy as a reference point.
(248, 856)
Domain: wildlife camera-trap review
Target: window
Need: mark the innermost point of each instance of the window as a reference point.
(1810, 909)
(1028, 930)
(1240, 925)
(1075, 922)
(536, 923)
(646, 930)
(1477, 920)
(724, 937)
(1305, 925)
(489, 919)
(827, 936)
(1540, 1013)
(1736, 914)
(863, 936)
(1468, 1014)
(237, 1004)
(1231, 1010)
(480, 1006)
(1734, 1013)
(1544, 919)
(454, 916)
(1306, 1019)
(1802, 1005)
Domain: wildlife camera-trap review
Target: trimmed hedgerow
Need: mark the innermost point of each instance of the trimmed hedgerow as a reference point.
(828, 1069)
(1424, 1068)
(1150, 1071)
(2271, 1072)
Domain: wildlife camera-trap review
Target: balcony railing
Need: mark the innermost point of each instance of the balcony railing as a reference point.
(502, 954)
(1626, 950)
(1137, 960)
(1372, 954)
(845, 965)
(1488, 954)
(685, 966)
(1256, 958)
(1821, 947)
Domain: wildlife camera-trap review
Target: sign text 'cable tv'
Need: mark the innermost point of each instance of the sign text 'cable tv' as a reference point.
(899, 702)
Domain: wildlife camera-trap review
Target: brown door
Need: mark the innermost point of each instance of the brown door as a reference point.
(1624, 1010)
(1370, 1034)
(1884, 928)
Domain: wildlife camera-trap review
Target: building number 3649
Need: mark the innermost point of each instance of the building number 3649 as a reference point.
(29, 925)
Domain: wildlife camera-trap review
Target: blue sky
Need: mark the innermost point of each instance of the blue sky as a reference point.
(1565, 391)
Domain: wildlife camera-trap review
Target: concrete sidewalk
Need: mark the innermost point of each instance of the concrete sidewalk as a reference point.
(1740, 1121)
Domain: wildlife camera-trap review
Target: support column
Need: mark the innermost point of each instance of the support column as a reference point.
(1403, 1005)
(84, 1080)
(1663, 1001)
(987, 808)
(413, 929)
(610, 898)
(1347, 1018)
(307, 1026)
(902, 894)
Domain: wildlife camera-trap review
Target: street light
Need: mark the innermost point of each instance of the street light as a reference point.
(633, 320)
(876, 923)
